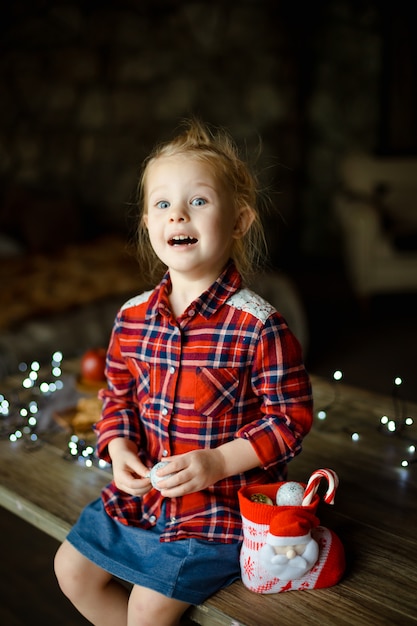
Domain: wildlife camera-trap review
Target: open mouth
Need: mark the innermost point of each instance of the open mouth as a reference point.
(182, 240)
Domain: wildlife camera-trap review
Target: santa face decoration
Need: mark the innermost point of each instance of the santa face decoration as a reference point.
(290, 551)
(289, 562)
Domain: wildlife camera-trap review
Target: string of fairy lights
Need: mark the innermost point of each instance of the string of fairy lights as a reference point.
(22, 406)
(399, 422)
(19, 409)
(395, 424)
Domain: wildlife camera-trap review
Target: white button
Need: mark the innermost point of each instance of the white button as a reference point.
(171, 369)
(191, 313)
(165, 453)
(152, 519)
(173, 520)
(164, 411)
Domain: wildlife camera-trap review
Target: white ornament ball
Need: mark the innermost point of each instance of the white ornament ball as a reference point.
(153, 476)
(290, 494)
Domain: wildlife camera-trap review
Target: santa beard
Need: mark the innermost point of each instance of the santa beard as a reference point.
(282, 567)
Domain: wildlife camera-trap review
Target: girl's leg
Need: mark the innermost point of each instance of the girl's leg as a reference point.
(93, 591)
(148, 608)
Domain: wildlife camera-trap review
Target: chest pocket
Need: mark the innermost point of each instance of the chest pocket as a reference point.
(216, 390)
(140, 372)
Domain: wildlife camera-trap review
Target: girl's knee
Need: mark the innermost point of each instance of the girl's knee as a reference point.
(147, 608)
(67, 570)
(74, 572)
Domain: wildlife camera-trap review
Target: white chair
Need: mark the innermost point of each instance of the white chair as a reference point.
(376, 191)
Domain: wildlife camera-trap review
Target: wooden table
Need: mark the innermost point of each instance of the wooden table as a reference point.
(375, 514)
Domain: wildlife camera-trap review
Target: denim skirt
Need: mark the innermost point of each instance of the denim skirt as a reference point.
(189, 570)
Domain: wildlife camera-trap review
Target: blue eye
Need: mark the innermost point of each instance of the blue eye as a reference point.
(162, 204)
(198, 202)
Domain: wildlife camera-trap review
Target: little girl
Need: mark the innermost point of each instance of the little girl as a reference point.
(203, 374)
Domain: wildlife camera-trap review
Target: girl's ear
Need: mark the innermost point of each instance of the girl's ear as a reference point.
(243, 222)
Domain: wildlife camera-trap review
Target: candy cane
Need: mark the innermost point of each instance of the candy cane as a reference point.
(313, 485)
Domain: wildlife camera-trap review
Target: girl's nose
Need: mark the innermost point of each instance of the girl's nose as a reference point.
(178, 214)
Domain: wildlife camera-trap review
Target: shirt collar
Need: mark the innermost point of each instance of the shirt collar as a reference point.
(208, 303)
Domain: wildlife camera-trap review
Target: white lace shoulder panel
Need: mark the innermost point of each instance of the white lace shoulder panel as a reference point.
(250, 302)
(142, 297)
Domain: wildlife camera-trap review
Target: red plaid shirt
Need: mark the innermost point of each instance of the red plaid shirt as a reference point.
(228, 367)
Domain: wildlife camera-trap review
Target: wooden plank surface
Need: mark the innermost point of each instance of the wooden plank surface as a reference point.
(375, 514)
(43, 488)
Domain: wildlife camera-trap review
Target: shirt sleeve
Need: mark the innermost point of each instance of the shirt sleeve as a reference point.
(280, 378)
(119, 417)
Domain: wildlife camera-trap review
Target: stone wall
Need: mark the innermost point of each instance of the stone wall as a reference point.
(87, 87)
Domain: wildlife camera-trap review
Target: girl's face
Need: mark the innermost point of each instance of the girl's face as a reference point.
(190, 217)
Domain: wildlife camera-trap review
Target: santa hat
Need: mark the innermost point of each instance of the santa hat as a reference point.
(291, 525)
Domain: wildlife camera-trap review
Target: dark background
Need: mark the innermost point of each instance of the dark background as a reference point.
(88, 87)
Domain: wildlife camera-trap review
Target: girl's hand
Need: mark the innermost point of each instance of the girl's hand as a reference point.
(192, 471)
(129, 473)
(199, 469)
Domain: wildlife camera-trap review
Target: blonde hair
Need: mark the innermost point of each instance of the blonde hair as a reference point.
(217, 148)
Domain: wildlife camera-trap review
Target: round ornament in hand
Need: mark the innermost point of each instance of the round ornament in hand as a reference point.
(153, 475)
(290, 494)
